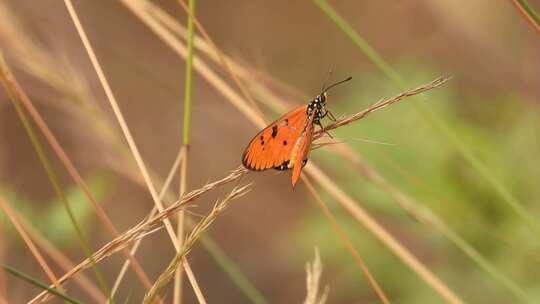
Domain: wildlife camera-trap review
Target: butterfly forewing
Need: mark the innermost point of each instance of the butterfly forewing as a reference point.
(271, 148)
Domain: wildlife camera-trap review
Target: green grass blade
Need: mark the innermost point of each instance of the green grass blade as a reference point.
(483, 263)
(54, 182)
(249, 290)
(188, 92)
(534, 17)
(37, 283)
(437, 123)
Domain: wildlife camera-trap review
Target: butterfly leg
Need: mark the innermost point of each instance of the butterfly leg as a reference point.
(331, 116)
(322, 128)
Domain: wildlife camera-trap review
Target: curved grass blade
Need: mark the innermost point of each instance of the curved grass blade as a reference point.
(37, 283)
(529, 13)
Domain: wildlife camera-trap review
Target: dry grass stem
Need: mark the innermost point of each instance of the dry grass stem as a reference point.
(382, 104)
(14, 89)
(133, 147)
(184, 153)
(528, 16)
(413, 209)
(3, 245)
(145, 227)
(347, 242)
(135, 247)
(383, 235)
(28, 241)
(197, 231)
(138, 8)
(313, 281)
(64, 262)
(222, 60)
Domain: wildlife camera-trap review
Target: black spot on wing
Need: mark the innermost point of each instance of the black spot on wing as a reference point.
(284, 142)
(274, 131)
(283, 166)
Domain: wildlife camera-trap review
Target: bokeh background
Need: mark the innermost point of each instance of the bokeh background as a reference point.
(491, 104)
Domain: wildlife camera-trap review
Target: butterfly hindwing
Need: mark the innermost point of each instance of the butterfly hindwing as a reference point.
(271, 148)
(302, 148)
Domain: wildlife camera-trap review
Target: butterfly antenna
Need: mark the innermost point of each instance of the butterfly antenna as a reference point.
(326, 80)
(337, 83)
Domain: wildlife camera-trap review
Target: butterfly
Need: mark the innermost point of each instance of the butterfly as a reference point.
(285, 143)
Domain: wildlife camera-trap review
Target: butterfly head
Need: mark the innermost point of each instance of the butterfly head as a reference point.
(320, 99)
(319, 102)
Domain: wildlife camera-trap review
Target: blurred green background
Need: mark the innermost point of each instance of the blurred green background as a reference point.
(491, 104)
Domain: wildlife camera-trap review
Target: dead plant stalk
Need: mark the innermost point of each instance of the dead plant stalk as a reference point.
(146, 227)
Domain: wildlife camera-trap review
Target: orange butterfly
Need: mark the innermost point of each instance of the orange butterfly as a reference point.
(285, 143)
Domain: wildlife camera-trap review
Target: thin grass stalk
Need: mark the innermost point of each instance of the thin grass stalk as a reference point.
(429, 219)
(29, 243)
(3, 247)
(21, 96)
(63, 261)
(138, 8)
(347, 242)
(184, 151)
(222, 59)
(127, 134)
(313, 280)
(184, 148)
(207, 47)
(438, 124)
(188, 85)
(197, 231)
(162, 193)
(55, 183)
(147, 226)
(382, 104)
(228, 266)
(383, 235)
(38, 284)
(247, 288)
(17, 96)
(528, 13)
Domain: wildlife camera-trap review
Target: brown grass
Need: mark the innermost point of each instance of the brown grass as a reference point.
(146, 227)
(196, 232)
(313, 281)
(29, 243)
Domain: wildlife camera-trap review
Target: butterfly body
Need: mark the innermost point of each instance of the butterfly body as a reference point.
(285, 143)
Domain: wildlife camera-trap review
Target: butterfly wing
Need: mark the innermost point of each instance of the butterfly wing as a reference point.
(301, 149)
(272, 147)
